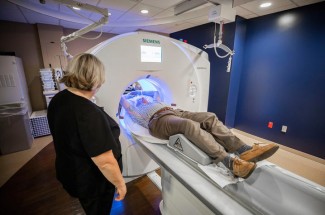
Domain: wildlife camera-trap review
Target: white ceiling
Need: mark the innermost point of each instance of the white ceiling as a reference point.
(126, 16)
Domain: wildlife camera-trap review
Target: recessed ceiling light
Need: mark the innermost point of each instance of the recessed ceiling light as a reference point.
(266, 4)
(76, 8)
(144, 11)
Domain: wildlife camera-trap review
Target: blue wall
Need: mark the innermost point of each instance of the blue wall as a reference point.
(236, 71)
(278, 75)
(283, 78)
(219, 78)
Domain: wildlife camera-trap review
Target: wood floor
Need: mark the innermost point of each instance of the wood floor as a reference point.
(34, 190)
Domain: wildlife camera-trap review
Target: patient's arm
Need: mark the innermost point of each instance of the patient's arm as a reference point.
(154, 94)
(130, 109)
(157, 96)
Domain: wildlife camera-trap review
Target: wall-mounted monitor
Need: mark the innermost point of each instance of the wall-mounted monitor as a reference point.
(151, 54)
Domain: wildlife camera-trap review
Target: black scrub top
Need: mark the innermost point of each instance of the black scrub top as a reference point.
(81, 130)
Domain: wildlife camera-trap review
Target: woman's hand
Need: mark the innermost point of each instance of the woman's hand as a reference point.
(121, 192)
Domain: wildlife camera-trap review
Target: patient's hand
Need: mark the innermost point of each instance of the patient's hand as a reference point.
(144, 101)
(131, 95)
(134, 93)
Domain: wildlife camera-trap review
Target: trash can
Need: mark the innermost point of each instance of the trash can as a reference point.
(15, 129)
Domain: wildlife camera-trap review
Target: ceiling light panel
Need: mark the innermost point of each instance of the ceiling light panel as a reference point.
(265, 5)
(144, 11)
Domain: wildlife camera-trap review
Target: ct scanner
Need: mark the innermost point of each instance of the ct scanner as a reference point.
(182, 78)
(180, 72)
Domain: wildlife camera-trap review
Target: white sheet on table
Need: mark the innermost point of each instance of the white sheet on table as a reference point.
(141, 132)
(222, 176)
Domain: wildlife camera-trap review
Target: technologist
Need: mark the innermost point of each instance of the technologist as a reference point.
(86, 139)
(202, 128)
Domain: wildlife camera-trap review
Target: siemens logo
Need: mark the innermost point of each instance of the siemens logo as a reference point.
(151, 41)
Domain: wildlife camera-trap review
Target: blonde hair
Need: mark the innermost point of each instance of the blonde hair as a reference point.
(85, 72)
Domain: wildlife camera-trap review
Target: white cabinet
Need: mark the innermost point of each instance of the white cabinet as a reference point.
(13, 86)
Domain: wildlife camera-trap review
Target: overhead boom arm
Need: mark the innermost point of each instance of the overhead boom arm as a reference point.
(95, 9)
(75, 4)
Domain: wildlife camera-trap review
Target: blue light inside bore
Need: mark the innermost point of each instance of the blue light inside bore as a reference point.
(146, 85)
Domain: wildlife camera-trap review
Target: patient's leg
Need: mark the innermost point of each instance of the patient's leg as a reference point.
(210, 122)
(169, 125)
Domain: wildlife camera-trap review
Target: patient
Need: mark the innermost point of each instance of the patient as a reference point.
(202, 128)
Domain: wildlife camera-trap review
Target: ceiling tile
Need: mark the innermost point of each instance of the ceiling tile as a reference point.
(122, 5)
(250, 16)
(306, 2)
(205, 7)
(11, 12)
(276, 5)
(107, 28)
(240, 11)
(73, 25)
(165, 13)
(199, 20)
(72, 12)
(177, 27)
(135, 15)
(48, 4)
(115, 15)
(33, 17)
(198, 12)
(156, 28)
(240, 2)
(123, 30)
(275, 10)
(126, 13)
(163, 4)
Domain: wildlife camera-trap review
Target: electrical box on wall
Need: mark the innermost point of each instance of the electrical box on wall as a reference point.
(284, 128)
(223, 13)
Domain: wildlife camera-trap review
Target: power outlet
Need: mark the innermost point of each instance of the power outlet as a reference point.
(284, 129)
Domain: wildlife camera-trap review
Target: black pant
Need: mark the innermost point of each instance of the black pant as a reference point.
(99, 205)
